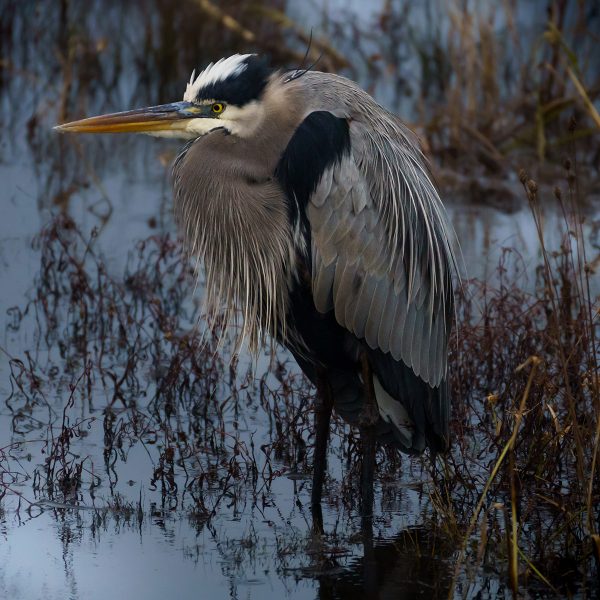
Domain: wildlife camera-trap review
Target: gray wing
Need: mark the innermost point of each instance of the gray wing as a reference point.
(377, 275)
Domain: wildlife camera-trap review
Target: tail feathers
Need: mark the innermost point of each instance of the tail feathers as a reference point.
(394, 413)
(395, 425)
(409, 399)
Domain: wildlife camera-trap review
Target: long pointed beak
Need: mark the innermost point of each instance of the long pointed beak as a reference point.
(143, 120)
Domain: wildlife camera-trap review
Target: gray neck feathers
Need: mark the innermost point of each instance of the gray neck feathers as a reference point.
(234, 220)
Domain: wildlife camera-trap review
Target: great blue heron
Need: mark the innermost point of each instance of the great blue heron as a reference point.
(314, 215)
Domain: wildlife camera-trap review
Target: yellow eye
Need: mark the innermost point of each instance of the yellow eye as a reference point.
(217, 108)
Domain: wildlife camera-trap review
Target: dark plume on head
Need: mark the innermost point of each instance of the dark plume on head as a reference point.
(237, 80)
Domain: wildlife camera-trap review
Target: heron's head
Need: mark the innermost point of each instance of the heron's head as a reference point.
(226, 95)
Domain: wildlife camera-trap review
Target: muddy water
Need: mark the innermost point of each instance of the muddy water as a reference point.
(199, 499)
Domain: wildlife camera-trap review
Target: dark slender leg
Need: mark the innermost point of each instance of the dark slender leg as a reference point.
(369, 563)
(367, 435)
(322, 420)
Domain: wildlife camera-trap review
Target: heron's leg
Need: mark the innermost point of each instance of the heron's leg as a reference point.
(369, 418)
(370, 571)
(322, 419)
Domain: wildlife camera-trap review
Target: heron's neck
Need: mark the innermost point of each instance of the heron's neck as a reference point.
(234, 219)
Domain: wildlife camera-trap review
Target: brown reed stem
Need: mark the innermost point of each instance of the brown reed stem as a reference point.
(534, 361)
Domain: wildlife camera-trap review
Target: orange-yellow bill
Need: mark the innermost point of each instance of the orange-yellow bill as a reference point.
(144, 120)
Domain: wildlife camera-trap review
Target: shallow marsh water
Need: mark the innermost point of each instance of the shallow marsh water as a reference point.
(121, 482)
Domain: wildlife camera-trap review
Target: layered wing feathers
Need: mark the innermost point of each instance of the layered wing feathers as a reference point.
(363, 277)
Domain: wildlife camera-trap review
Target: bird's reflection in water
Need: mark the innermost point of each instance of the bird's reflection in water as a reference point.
(411, 565)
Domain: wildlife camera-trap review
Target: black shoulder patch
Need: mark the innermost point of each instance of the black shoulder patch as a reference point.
(320, 141)
(241, 88)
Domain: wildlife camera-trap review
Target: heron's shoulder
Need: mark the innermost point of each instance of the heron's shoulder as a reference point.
(319, 84)
(343, 97)
(321, 141)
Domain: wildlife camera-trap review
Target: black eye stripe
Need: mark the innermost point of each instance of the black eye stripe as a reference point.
(242, 88)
